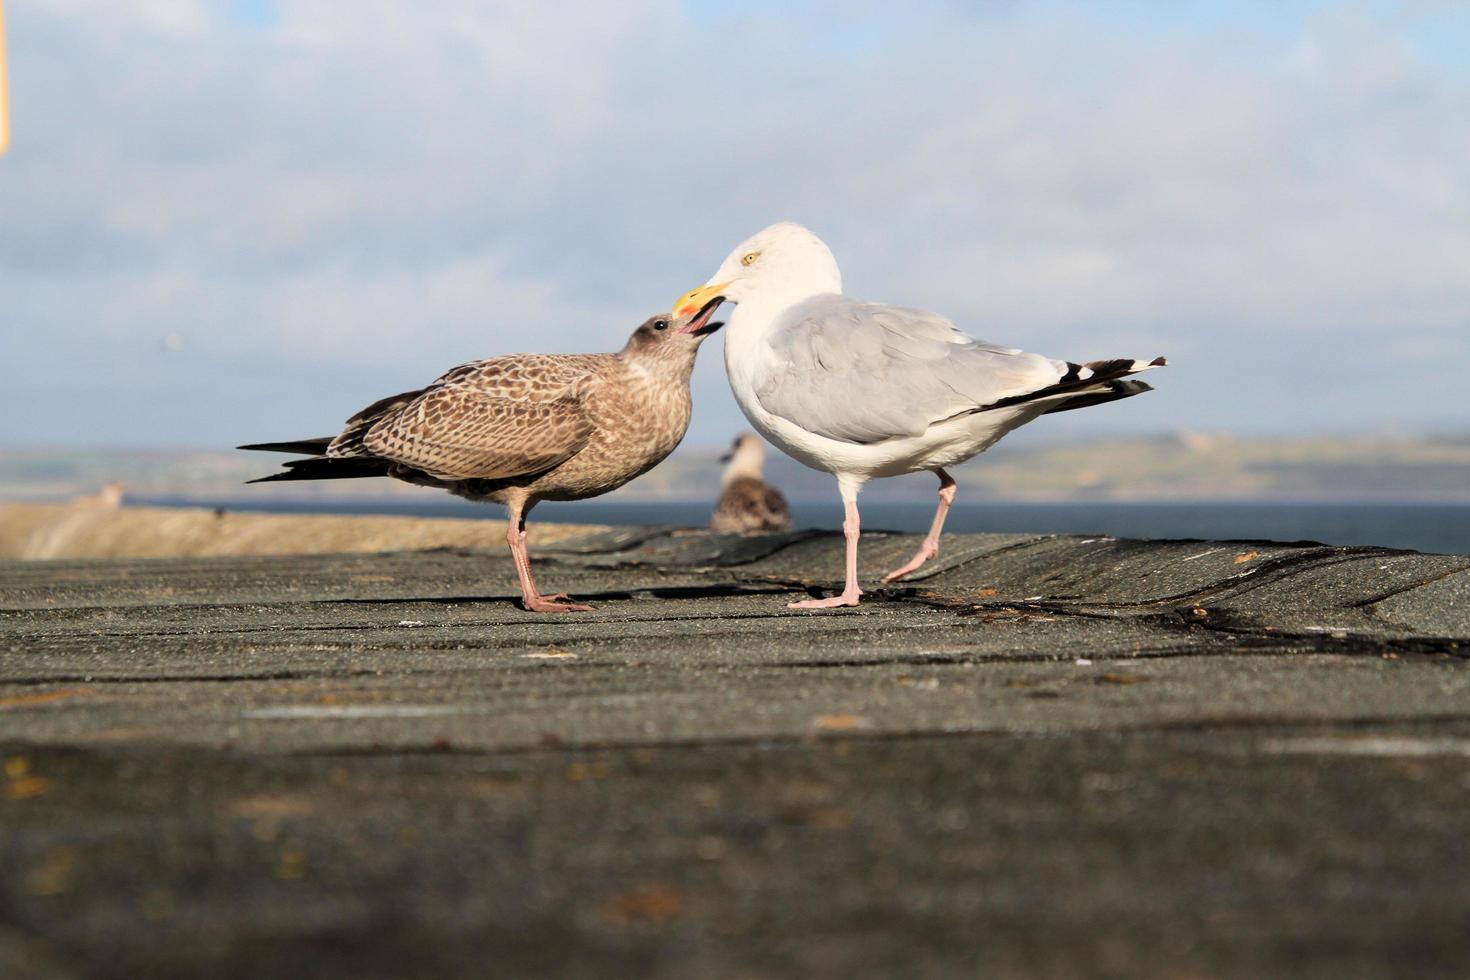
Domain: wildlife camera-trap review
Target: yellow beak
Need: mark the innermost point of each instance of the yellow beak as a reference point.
(695, 299)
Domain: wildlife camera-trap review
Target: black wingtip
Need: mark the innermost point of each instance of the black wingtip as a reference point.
(301, 447)
(1159, 362)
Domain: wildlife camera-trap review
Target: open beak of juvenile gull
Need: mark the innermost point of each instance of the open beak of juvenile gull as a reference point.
(699, 324)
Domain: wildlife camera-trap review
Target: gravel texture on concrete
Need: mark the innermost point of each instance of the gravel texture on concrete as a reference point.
(1048, 756)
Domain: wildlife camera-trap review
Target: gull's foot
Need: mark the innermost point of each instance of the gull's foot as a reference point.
(553, 604)
(831, 602)
(912, 565)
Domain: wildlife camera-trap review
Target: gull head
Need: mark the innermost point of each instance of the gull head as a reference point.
(747, 448)
(780, 265)
(671, 338)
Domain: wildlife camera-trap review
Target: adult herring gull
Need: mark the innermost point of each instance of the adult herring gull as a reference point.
(864, 390)
(523, 428)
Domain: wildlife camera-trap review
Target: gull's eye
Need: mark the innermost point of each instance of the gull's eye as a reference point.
(749, 258)
(660, 324)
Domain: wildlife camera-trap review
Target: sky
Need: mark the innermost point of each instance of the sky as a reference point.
(244, 220)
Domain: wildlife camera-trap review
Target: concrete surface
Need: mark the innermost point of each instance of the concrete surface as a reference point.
(1051, 756)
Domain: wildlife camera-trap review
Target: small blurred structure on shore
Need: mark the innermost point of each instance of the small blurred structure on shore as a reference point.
(110, 497)
(747, 503)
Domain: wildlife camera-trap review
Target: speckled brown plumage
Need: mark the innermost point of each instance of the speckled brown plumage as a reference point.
(749, 505)
(523, 428)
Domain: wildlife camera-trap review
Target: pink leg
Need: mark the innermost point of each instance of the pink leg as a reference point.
(930, 547)
(515, 536)
(850, 530)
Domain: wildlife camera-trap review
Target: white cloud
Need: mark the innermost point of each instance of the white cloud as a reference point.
(166, 17)
(383, 188)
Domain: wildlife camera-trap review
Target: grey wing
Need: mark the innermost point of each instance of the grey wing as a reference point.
(494, 419)
(865, 372)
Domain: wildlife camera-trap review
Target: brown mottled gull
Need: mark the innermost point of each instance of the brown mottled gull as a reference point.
(747, 503)
(523, 428)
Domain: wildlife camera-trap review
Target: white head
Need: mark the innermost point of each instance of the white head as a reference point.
(745, 458)
(780, 265)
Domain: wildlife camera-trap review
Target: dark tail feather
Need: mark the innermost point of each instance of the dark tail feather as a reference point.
(304, 447)
(1114, 391)
(1093, 383)
(324, 468)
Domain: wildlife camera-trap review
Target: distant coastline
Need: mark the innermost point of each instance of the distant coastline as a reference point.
(1180, 466)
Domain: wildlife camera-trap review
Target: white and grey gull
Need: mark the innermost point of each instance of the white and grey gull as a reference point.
(523, 428)
(864, 390)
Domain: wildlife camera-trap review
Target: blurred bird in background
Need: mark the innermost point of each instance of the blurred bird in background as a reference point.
(747, 503)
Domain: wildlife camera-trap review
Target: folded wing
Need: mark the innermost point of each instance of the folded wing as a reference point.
(865, 372)
(493, 419)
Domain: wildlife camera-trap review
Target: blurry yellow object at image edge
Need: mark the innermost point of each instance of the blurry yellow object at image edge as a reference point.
(4, 91)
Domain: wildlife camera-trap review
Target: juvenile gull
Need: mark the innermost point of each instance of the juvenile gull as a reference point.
(864, 390)
(747, 502)
(523, 428)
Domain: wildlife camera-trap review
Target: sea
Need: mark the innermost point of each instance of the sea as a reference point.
(1435, 527)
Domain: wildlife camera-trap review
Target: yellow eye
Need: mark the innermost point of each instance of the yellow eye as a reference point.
(749, 257)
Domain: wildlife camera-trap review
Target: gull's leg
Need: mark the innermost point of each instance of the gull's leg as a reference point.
(930, 547)
(515, 536)
(850, 530)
